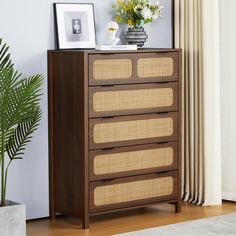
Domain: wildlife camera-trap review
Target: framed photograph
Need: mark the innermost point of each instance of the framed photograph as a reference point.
(75, 25)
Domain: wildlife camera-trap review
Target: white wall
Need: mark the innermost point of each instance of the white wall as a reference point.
(228, 97)
(27, 26)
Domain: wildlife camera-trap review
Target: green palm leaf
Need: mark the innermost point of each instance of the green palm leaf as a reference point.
(18, 96)
(22, 135)
(20, 113)
(5, 60)
(7, 136)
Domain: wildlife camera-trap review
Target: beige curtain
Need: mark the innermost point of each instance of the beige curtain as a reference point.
(197, 33)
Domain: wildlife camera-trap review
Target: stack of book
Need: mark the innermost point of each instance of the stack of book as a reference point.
(104, 47)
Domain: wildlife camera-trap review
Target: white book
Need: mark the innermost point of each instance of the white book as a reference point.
(116, 47)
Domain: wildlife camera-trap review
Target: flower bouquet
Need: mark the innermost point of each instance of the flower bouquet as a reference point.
(136, 13)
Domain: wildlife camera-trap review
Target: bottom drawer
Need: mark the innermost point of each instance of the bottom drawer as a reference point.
(125, 192)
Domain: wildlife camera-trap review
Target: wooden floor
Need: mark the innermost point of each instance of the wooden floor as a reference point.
(125, 221)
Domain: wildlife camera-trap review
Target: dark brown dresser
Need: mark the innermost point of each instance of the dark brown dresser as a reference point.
(114, 130)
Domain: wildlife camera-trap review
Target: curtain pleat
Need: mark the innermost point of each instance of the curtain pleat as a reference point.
(189, 36)
(211, 101)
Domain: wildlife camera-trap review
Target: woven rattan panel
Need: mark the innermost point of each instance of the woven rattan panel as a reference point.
(155, 67)
(112, 69)
(134, 160)
(132, 99)
(131, 191)
(133, 130)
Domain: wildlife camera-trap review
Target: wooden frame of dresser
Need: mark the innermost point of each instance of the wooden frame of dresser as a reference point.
(75, 201)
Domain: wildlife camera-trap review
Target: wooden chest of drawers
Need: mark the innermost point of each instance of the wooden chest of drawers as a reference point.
(114, 130)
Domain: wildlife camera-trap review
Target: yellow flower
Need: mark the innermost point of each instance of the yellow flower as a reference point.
(124, 6)
(130, 22)
(129, 6)
(118, 19)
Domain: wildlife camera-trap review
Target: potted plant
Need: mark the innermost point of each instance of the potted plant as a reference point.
(136, 13)
(20, 114)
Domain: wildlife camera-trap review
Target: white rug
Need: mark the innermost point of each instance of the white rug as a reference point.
(221, 225)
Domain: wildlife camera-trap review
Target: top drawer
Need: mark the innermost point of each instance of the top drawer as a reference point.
(105, 69)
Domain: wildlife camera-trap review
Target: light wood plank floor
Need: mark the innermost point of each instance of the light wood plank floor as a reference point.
(125, 221)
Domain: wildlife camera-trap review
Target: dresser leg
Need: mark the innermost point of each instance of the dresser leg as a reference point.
(52, 215)
(85, 222)
(178, 207)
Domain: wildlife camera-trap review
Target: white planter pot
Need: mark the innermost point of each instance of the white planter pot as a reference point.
(13, 220)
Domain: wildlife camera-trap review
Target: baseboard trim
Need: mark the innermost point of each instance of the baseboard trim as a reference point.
(229, 196)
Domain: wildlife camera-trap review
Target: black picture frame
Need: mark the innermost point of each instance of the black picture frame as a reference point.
(74, 26)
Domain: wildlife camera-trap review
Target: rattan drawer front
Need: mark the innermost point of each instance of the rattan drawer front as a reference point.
(133, 99)
(152, 67)
(133, 160)
(133, 190)
(160, 66)
(112, 69)
(133, 68)
(121, 131)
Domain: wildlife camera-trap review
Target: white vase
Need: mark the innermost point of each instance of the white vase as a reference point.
(13, 219)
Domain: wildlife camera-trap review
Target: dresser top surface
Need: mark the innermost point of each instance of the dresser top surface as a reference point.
(142, 50)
